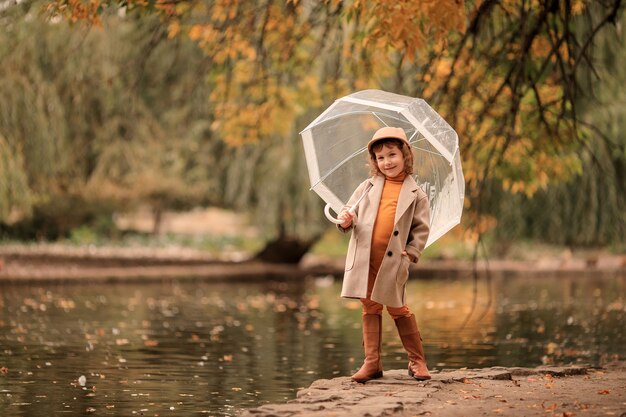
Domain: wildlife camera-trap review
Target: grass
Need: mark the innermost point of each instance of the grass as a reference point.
(213, 244)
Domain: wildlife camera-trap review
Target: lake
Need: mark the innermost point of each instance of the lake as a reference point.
(197, 348)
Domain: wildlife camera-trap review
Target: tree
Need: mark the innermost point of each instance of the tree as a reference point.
(590, 208)
(87, 125)
(504, 73)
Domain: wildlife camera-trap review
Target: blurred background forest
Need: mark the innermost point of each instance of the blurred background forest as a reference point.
(110, 108)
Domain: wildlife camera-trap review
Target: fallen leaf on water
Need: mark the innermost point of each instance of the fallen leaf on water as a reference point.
(228, 358)
(151, 343)
(568, 414)
(121, 342)
(604, 392)
(4, 370)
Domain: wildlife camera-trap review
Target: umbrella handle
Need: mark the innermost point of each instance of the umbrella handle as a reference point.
(352, 209)
(330, 216)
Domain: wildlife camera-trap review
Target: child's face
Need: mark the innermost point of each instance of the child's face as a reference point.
(390, 160)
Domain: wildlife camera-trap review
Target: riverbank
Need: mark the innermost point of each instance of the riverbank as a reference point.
(543, 391)
(32, 263)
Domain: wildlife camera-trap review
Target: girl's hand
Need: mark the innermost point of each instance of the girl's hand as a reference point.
(407, 255)
(347, 218)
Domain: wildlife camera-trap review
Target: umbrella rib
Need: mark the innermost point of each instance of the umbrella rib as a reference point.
(394, 118)
(438, 185)
(427, 151)
(381, 120)
(363, 112)
(391, 116)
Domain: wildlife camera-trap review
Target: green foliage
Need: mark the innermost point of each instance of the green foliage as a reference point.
(84, 235)
(590, 208)
(89, 115)
(213, 244)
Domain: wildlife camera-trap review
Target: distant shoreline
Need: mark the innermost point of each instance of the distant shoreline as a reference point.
(58, 263)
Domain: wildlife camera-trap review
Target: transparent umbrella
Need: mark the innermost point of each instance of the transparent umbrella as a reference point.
(335, 145)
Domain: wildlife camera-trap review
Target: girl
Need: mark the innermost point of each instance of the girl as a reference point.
(389, 230)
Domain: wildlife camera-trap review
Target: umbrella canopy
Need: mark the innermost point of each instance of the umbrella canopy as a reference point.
(335, 145)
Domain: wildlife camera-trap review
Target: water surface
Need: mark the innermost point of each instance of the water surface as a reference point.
(212, 349)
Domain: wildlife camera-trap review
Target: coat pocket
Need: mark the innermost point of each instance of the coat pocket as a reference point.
(351, 254)
(403, 270)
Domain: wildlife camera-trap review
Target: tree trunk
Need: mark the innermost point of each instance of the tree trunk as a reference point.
(158, 221)
(285, 249)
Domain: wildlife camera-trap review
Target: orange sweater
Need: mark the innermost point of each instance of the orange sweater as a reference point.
(383, 226)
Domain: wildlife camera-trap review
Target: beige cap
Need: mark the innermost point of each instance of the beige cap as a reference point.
(388, 132)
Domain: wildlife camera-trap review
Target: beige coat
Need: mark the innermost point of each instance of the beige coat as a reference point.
(411, 227)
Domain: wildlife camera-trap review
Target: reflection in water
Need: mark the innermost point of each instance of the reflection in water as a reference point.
(216, 348)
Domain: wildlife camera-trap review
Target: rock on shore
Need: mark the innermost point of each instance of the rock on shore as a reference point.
(544, 391)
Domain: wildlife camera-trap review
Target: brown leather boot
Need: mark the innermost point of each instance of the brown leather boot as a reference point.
(412, 342)
(372, 367)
